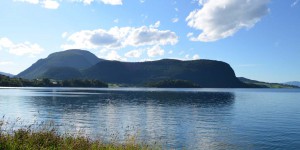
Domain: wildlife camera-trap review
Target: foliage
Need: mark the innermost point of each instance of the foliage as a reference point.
(45, 136)
(172, 84)
(207, 73)
(259, 84)
(19, 82)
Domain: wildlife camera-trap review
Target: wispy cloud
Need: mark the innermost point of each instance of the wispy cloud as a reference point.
(155, 51)
(109, 2)
(174, 20)
(112, 2)
(6, 63)
(54, 4)
(196, 56)
(113, 55)
(134, 53)
(294, 3)
(49, 4)
(116, 21)
(20, 49)
(29, 1)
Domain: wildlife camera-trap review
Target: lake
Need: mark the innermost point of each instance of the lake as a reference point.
(174, 118)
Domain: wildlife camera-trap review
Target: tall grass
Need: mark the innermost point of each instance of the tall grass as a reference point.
(45, 136)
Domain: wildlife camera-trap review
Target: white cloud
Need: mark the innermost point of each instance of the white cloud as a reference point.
(196, 56)
(219, 19)
(174, 20)
(142, 1)
(28, 1)
(176, 9)
(5, 43)
(20, 49)
(6, 63)
(189, 34)
(54, 4)
(187, 56)
(112, 2)
(91, 39)
(170, 52)
(294, 3)
(202, 2)
(150, 36)
(116, 38)
(85, 2)
(64, 35)
(156, 25)
(50, 4)
(113, 55)
(134, 53)
(155, 51)
(116, 21)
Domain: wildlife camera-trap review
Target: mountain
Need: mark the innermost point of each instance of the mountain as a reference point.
(61, 65)
(79, 64)
(265, 84)
(6, 74)
(205, 73)
(294, 83)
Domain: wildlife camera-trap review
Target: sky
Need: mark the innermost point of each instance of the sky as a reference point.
(260, 39)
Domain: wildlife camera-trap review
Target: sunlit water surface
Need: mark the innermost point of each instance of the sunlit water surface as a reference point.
(174, 118)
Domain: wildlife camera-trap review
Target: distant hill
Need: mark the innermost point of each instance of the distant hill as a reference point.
(61, 65)
(265, 84)
(205, 73)
(6, 74)
(80, 64)
(294, 83)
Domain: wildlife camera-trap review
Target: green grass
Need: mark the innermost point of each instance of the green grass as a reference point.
(45, 136)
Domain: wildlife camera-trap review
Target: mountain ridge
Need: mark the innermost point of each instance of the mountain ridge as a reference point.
(203, 72)
(74, 58)
(6, 74)
(294, 83)
(80, 64)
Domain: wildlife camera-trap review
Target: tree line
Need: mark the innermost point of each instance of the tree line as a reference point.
(172, 84)
(6, 81)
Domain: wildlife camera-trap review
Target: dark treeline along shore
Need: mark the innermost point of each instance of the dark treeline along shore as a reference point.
(80, 68)
(6, 81)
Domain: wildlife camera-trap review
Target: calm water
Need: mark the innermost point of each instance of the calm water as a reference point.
(176, 118)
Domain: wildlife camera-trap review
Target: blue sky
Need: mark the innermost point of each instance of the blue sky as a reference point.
(260, 39)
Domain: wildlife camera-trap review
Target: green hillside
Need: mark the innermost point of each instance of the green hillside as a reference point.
(206, 73)
(80, 64)
(265, 84)
(76, 59)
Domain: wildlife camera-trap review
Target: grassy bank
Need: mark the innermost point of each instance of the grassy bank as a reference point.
(45, 136)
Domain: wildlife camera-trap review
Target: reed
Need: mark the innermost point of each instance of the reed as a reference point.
(45, 136)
